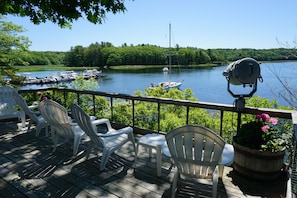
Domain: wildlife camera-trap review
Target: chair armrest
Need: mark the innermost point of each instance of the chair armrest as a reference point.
(34, 106)
(125, 130)
(102, 121)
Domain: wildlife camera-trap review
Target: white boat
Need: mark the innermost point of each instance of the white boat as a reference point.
(29, 79)
(165, 69)
(168, 84)
(68, 75)
(91, 73)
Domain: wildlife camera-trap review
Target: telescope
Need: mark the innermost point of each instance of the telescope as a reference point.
(245, 72)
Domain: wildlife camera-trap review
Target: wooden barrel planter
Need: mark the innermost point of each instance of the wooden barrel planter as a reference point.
(255, 164)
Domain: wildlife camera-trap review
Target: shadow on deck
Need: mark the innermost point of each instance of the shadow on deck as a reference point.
(30, 169)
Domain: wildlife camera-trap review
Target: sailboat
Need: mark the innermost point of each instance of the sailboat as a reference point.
(169, 84)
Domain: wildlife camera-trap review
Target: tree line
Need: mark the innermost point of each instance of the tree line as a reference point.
(105, 54)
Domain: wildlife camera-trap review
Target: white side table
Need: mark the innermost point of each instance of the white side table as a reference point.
(153, 141)
(227, 158)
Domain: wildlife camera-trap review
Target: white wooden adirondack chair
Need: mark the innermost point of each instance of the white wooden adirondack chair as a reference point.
(196, 152)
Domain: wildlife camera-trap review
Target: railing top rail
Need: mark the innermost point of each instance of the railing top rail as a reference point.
(287, 114)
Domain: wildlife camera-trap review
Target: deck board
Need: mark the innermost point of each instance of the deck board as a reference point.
(28, 168)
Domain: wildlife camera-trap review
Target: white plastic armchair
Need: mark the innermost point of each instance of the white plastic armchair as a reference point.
(35, 117)
(8, 106)
(57, 117)
(196, 152)
(109, 141)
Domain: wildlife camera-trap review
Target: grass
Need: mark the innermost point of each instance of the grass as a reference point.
(142, 67)
(33, 68)
(50, 68)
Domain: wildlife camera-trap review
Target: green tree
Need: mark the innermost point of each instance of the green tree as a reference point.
(12, 47)
(63, 12)
(76, 57)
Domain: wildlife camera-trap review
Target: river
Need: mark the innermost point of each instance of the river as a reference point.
(208, 85)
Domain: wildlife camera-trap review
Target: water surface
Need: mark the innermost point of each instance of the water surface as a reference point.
(208, 85)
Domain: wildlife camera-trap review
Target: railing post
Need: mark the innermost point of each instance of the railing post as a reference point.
(221, 123)
(111, 107)
(133, 114)
(77, 96)
(188, 110)
(238, 120)
(94, 105)
(65, 99)
(158, 116)
(294, 159)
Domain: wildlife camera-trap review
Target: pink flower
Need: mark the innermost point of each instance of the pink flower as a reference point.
(258, 117)
(273, 121)
(265, 128)
(265, 117)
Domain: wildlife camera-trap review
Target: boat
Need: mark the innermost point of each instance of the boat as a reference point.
(68, 76)
(165, 69)
(91, 73)
(168, 84)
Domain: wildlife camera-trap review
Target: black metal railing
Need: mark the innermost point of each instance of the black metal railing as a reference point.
(222, 108)
(286, 114)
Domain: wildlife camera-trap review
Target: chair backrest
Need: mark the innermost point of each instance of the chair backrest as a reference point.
(196, 150)
(7, 102)
(57, 117)
(85, 123)
(23, 104)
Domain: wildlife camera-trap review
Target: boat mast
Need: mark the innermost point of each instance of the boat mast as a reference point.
(169, 52)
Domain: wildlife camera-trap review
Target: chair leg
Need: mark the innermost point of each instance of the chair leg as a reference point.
(23, 118)
(174, 182)
(55, 140)
(38, 129)
(136, 154)
(131, 137)
(89, 150)
(29, 126)
(77, 140)
(104, 159)
(150, 152)
(215, 183)
(221, 171)
(159, 160)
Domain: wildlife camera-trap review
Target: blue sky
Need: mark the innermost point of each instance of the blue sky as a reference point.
(205, 24)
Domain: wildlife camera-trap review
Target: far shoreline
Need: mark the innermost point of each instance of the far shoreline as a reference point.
(33, 68)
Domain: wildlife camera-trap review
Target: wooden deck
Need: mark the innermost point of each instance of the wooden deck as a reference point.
(28, 168)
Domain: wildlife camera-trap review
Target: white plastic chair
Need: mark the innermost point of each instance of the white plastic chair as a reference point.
(35, 117)
(8, 106)
(109, 141)
(61, 124)
(196, 152)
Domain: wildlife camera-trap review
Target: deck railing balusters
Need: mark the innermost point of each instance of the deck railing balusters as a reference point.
(286, 114)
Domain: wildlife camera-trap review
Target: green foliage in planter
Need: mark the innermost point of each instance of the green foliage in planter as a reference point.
(265, 133)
